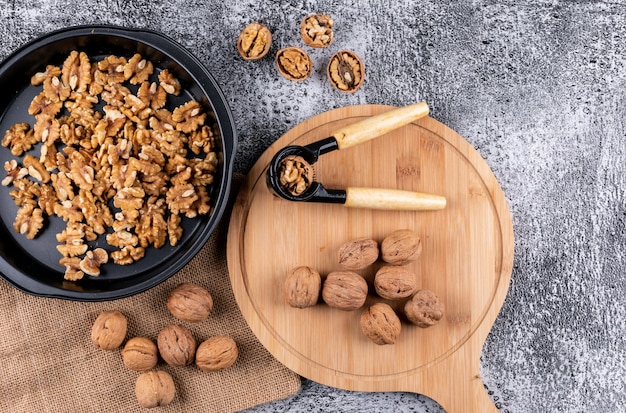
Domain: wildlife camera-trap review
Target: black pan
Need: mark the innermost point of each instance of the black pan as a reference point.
(32, 265)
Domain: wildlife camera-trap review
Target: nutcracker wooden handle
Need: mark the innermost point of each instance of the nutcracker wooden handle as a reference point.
(393, 199)
(378, 125)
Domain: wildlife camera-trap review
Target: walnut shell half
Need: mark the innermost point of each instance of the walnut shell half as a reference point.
(294, 63)
(344, 290)
(346, 71)
(380, 324)
(254, 41)
(317, 30)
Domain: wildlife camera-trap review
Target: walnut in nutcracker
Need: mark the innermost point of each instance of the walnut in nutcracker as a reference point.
(424, 309)
(394, 282)
(345, 290)
(216, 353)
(177, 345)
(401, 247)
(380, 324)
(190, 302)
(155, 388)
(302, 287)
(140, 354)
(358, 254)
(109, 330)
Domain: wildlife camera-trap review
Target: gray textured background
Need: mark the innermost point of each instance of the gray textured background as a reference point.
(537, 87)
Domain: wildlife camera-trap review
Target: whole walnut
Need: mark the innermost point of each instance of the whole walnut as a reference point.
(358, 253)
(109, 330)
(394, 282)
(155, 388)
(216, 353)
(344, 290)
(176, 345)
(140, 354)
(302, 287)
(401, 247)
(380, 324)
(190, 302)
(424, 309)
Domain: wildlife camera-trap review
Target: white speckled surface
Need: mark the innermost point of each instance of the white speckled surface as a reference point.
(538, 87)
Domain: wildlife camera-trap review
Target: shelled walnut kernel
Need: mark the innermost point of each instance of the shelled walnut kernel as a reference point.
(295, 174)
(346, 71)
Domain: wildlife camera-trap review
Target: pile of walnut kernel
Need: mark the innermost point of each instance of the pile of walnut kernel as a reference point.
(151, 163)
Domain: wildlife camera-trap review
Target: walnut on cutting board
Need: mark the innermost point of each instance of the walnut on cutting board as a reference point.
(345, 290)
(380, 324)
(358, 254)
(424, 309)
(401, 247)
(302, 286)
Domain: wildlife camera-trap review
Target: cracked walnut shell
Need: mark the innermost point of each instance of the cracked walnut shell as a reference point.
(254, 41)
(190, 302)
(109, 330)
(294, 63)
(176, 345)
(424, 309)
(380, 324)
(155, 388)
(317, 30)
(140, 354)
(344, 290)
(216, 353)
(358, 253)
(401, 247)
(302, 286)
(346, 71)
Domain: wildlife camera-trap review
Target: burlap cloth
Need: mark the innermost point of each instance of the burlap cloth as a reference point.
(49, 363)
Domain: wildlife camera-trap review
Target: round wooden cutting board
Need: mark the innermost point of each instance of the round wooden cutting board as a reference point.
(467, 259)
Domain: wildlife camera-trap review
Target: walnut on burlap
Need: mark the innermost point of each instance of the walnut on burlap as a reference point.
(49, 363)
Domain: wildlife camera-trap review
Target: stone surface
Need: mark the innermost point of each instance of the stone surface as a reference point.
(537, 87)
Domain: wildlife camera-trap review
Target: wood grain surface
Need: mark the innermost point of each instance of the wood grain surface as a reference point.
(467, 260)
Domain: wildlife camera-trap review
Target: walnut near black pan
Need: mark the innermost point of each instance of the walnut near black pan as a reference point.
(33, 265)
(296, 162)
